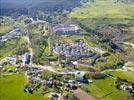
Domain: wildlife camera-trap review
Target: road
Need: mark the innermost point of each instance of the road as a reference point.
(129, 43)
(45, 67)
(52, 69)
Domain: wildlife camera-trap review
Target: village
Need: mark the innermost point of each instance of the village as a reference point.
(35, 78)
(58, 84)
(79, 49)
(66, 50)
(61, 81)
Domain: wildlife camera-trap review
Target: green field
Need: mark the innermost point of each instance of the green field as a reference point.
(104, 12)
(111, 62)
(12, 46)
(123, 74)
(107, 9)
(104, 89)
(4, 29)
(70, 38)
(11, 88)
(6, 24)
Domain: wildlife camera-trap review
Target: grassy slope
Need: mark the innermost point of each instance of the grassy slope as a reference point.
(6, 25)
(104, 8)
(11, 46)
(104, 89)
(123, 74)
(11, 88)
(70, 38)
(111, 60)
(105, 12)
(9, 67)
(4, 29)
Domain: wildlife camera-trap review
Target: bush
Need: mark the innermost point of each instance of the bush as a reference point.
(47, 74)
(85, 88)
(96, 75)
(99, 76)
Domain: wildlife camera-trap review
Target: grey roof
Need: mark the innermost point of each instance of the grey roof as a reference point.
(73, 49)
(66, 29)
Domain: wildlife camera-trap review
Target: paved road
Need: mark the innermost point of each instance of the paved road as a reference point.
(129, 43)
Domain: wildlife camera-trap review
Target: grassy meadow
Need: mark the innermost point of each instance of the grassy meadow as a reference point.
(123, 75)
(104, 12)
(103, 8)
(12, 46)
(11, 88)
(104, 89)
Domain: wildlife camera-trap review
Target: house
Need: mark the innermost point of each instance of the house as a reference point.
(0, 66)
(128, 68)
(1, 63)
(81, 77)
(27, 58)
(28, 89)
(4, 38)
(28, 20)
(66, 29)
(37, 23)
(65, 97)
(55, 96)
(74, 63)
(81, 95)
(126, 87)
(12, 60)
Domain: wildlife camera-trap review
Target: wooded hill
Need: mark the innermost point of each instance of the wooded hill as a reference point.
(9, 7)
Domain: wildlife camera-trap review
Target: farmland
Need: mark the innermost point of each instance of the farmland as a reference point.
(55, 51)
(104, 89)
(11, 87)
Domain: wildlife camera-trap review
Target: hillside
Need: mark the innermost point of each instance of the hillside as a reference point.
(112, 22)
(9, 7)
(126, 1)
(67, 49)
